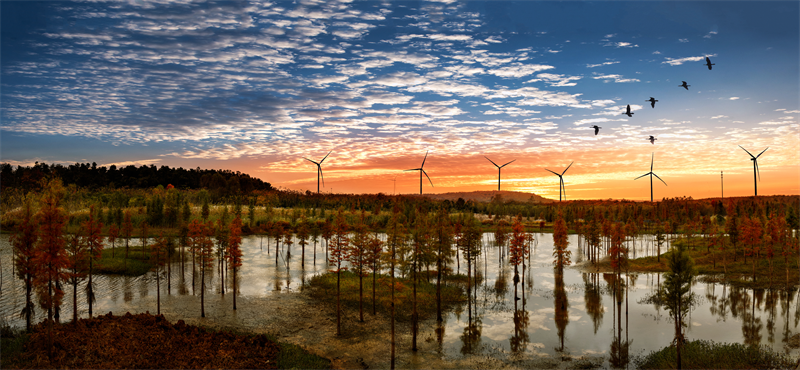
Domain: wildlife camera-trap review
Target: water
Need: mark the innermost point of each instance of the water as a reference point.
(559, 317)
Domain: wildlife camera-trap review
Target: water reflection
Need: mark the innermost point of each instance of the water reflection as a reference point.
(541, 315)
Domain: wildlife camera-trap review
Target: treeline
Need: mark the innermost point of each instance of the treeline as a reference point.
(221, 183)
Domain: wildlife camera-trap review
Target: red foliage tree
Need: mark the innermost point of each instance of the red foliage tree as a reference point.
(51, 257)
(24, 243)
(77, 267)
(203, 251)
(303, 231)
(234, 252)
(751, 232)
(356, 255)
(338, 253)
(158, 255)
(516, 251)
(560, 243)
(618, 250)
(113, 234)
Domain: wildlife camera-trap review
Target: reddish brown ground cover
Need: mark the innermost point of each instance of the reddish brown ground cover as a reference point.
(144, 341)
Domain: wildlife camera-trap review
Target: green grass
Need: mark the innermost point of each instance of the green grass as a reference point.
(138, 263)
(701, 354)
(323, 287)
(292, 356)
(710, 264)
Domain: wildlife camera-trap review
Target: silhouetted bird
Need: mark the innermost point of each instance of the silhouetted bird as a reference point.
(596, 129)
(652, 102)
(652, 139)
(684, 85)
(629, 111)
(709, 64)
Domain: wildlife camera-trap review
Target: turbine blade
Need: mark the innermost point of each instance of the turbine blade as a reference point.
(423, 160)
(326, 156)
(565, 171)
(652, 157)
(642, 176)
(762, 152)
(506, 164)
(413, 169)
(426, 175)
(758, 172)
(554, 173)
(660, 179)
(495, 164)
(311, 161)
(751, 155)
(321, 175)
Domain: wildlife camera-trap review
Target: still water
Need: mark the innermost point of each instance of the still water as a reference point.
(557, 315)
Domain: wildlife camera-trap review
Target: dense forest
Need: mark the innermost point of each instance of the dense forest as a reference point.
(85, 175)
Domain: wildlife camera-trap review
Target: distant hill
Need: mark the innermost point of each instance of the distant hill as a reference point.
(487, 196)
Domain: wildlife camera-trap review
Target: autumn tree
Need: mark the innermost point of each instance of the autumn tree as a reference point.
(340, 243)
(234, 253)
(158, 255)
(326, 230)
(773, 239)
(24, 242)
(516, 251)
(373, 262)
(113, 234)
(127, 232)
(676, 293)
(203, 249)
(76, 267)
(443, 245)
(618, 250)
(356, 254)
(395, 236)
(751, 234)
(50, 256)
(303, 231)
(560, 243)
(144, 230)
(221, 236)
(94, 247)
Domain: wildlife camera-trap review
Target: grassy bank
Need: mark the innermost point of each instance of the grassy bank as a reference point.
(323, 288)
(150, 342)
(710, 266)
(701, 354)
(136, 264)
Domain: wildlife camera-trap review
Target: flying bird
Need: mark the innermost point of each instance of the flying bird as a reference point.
(652, 139)
(709, 64)
(652, 102)
(596, 129)
(629, 111)
(684, 85)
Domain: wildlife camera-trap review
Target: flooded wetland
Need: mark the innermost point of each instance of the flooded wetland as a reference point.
(574, 319)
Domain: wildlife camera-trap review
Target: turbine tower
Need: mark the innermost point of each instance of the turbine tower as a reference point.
(421, 171)
(651, 177)
(319, 169)
(561, 181)
(755, 167)
(498, 170)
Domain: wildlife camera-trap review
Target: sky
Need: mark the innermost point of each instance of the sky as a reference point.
(257, 86)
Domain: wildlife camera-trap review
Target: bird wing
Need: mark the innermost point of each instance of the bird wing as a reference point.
(426, 175)
(642, 176)
(495, 164)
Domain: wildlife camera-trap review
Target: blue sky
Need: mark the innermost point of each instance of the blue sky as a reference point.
(256, 86)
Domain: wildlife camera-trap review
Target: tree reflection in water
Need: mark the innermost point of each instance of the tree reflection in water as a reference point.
(593, 299)
(471, 338)
(561, 304)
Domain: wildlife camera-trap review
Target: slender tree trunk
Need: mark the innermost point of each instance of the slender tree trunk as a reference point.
(234, 287)
(202, 289)
(158, 292)
(74, 300)
(338, 303)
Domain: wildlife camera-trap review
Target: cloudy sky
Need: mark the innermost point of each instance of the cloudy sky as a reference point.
(257, 86)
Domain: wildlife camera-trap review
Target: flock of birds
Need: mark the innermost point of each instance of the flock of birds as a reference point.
(653, 101)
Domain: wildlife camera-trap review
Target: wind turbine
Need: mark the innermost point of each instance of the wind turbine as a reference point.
(651, 177)
(498, 170)
(755, 167)
(421, 171)
(319, 169)
(561, 182)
